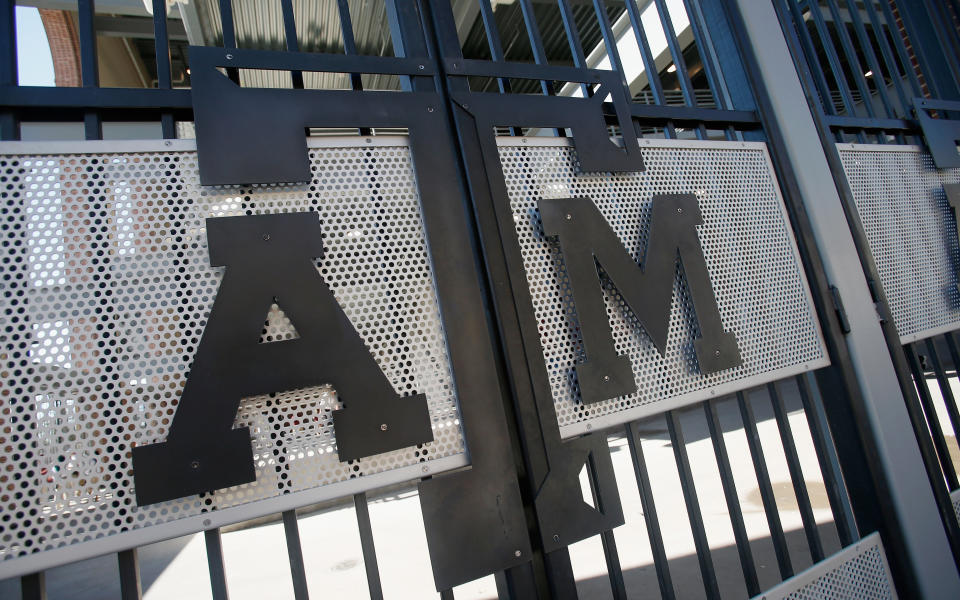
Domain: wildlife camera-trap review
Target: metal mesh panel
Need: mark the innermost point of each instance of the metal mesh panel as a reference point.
(750, 253)
(911, 232)
(955, 498)
(858, 572)
(107, 287)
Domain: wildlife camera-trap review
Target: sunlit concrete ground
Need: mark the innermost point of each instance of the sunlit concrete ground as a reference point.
(256, 556)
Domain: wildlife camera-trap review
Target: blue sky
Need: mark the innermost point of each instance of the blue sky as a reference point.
(34, 63)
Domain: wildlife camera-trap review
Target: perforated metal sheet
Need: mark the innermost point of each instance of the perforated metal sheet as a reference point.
(955, 498)
(107, 287)
(911, 232)
(858, 572)
(750, 253)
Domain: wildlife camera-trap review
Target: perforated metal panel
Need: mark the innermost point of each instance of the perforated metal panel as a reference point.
(751, 258)
(107, 287)
(955, 499)
(911, 232)
(858, 572)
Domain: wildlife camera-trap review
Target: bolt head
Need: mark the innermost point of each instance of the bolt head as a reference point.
(229, 57)
(716, 353)
(518, 554)
(556, 538)
(195, 464)
(266, 237)
(383, 427)
(606, 378)
(569, 216)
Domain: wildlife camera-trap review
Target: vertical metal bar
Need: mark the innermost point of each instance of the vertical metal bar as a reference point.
(650, 514)
(129, 565)
(9, 123)
(367, 546)
(954, 353)
(610, 41)
(832, 58)
(649, 64)
(226, 23)
(496, 48)
(888, 59)
(871, 57)
(733, 501)
(573, 39)
(446, 595)
(536, 45)
(829, 464)
(851, 55)
(33, 586)
(607, 538)
(945, 392)
(901, 49)
(933, 422)
(218, 574)
(162, 51)
(517, 583)
(490, 27)
(349, 42)
(93, 128)
(859, 77)
(536, 42)
(683, 75)
(766, 488)
(290, 33)
(563, 585)
(693, 506)
(796, 474)
(813, 63)
(298, 573)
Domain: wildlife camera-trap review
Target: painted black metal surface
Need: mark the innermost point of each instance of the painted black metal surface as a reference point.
(474, 517)
(553, 465)
(942, 134)
(483, 503)
(256, 135)
(268, 259)
(587, 241)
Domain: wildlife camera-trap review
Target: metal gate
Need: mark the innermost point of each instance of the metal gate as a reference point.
(526, 256)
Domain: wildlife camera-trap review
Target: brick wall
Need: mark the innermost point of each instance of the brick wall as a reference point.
(64, 46)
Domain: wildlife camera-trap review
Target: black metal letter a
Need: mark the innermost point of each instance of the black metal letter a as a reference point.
(268, 259)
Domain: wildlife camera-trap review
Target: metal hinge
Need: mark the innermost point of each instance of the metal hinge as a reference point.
(838, 307)
(877, 305)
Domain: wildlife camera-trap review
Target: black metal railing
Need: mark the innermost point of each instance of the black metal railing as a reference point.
(716, 102)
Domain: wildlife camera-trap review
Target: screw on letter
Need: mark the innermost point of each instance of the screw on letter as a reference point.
(383, 427)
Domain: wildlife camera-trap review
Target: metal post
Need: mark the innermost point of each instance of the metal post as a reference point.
(911, 507)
